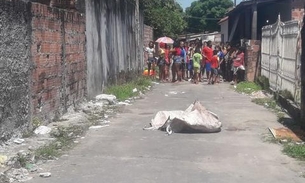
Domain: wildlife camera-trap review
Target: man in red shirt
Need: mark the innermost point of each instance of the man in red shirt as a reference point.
(207, 53)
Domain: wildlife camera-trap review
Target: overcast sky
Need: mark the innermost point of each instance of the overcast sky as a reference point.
(187, 3)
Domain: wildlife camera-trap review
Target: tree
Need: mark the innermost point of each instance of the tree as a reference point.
(165, 16)
(203, 15)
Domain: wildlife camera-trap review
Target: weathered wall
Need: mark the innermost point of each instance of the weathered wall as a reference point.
(58, 49)
(111, 43)
(252, 60)
(42, 62)
(148, 36)
(15, 39)
(280, 61)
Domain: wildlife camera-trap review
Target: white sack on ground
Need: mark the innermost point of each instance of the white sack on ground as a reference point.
(195, 118)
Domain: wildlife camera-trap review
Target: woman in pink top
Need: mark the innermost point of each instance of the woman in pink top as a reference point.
(238, 64)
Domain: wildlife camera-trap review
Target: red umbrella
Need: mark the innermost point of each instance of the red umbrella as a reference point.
(165, 40)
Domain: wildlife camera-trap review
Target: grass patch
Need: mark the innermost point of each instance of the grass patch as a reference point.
(269, 103)
(247, 87)
(125, 91)
(295, 151)
(65, 137)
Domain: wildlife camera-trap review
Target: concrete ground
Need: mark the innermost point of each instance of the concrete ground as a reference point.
(124, 152)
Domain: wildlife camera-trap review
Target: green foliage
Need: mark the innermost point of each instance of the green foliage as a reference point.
(247, 87)
(286, 94)
(266, 102)
(202, 9)
(295, 151)
(165, 16)
(263, 81)
(125, 91)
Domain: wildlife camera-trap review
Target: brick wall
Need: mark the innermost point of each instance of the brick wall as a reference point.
(251, 60)
(148, 36)
(58, 54)
(297, 14)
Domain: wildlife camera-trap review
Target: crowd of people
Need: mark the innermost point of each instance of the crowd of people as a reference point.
(191, 61)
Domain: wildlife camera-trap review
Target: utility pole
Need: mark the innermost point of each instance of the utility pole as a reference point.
(234, 3)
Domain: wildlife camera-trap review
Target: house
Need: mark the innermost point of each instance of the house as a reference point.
(246, 20)
(224, 24)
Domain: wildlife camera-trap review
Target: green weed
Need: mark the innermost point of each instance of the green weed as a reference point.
(295, 151)
(125, 91)
(266, 102)
(247, 87)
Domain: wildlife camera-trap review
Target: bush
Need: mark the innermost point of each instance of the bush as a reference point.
(263, 82)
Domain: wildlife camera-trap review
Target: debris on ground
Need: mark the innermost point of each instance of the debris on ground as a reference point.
(196, 118)
(135, 90)
(19, 141)
(283, 134)
(97, 127)
(45, 175)
(3, 160)
(107, 98)
(43, 130)
(259, 94)
(19, 175)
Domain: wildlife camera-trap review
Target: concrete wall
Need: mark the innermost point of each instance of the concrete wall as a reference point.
(111, 43)
(15, 39)
(225, 30)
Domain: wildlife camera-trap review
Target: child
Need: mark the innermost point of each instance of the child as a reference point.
(214, 67)
(151, 62)
(197, 57)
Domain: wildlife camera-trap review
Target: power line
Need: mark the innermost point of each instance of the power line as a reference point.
(205, 18)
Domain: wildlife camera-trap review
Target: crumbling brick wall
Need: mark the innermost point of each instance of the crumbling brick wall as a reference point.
(252, 57)
(15, 39)
(42, 62)
(58, 50)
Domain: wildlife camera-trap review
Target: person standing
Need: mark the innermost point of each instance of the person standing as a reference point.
(197, 58)
(207, 53)
(161, 62)
(238, 64)
(186, 61)
(190, 65)
(179, 53)
(151, 61)
(167, 57)
(214, 68)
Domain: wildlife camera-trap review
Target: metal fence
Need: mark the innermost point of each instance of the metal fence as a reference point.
(281, 56)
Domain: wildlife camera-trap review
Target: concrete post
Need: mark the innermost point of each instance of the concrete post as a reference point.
(254, 21)
(303, 77)
(137, 14)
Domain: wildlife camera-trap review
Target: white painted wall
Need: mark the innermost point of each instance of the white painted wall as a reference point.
(225, 30)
